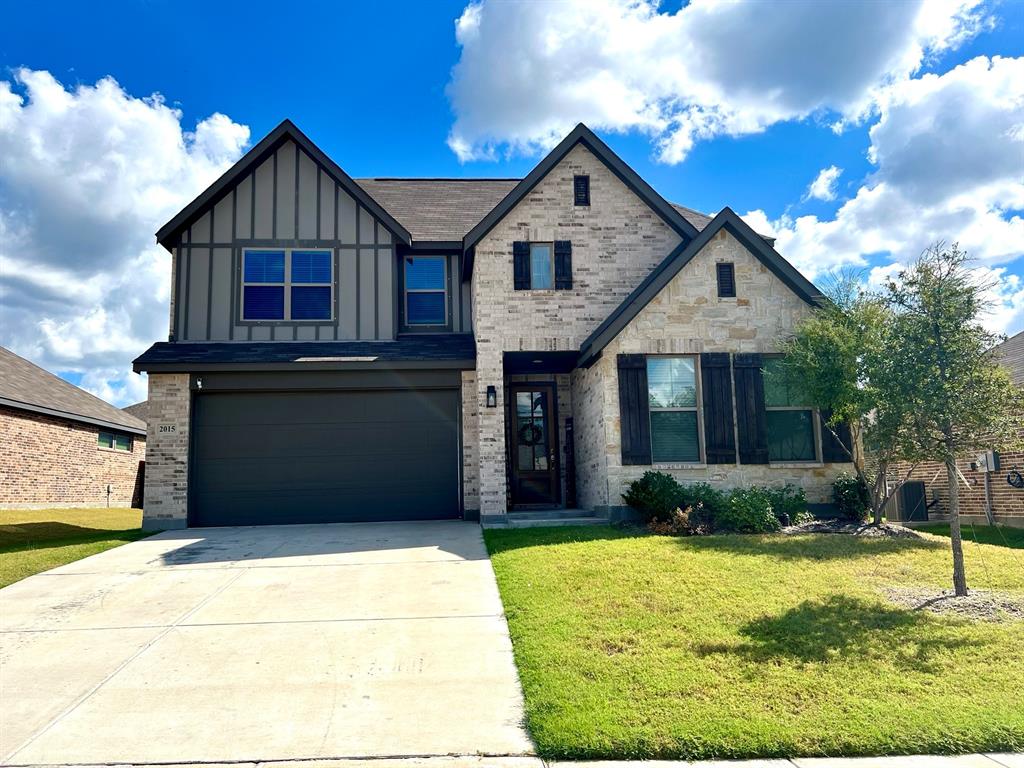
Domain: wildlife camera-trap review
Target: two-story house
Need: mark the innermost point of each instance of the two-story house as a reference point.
(401, 349)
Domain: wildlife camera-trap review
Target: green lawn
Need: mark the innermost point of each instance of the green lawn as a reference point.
(983, 534)
(35, 540)
(634, 646)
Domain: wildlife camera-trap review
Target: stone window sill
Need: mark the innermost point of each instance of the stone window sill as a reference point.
(795, 464)
(114, 450)
(680, 465)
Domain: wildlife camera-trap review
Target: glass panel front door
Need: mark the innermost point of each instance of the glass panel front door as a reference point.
(534, 453)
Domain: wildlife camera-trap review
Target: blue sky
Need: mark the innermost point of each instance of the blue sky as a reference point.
(687, 102)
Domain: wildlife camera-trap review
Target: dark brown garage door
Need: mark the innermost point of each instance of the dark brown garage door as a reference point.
(271, 458)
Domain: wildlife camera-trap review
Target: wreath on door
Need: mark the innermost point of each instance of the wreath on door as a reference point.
(530, 434)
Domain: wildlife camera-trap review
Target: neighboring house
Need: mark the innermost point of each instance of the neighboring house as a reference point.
(63, 447)
(980, 489)
(138, 410)
(382, 349)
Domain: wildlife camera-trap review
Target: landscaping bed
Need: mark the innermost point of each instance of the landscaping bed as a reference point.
(730, 646)
(36, 540)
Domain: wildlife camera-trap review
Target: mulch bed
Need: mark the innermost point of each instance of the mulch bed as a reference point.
(883, 531)
(979, 605)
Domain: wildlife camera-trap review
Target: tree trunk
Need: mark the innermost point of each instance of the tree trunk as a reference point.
(959, 576)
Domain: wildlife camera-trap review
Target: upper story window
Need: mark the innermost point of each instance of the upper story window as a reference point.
(790, 423)
(672, 398)
(542, 266)
(115, 441)
(289, 284)
(726, 274)
(426, 290)
(581, 190)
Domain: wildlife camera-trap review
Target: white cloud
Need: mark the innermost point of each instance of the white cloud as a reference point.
(824, 185)
(948, 150)
(88, 176)
(529, 71)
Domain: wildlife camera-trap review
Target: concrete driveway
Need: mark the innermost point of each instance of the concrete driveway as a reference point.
(264, 643)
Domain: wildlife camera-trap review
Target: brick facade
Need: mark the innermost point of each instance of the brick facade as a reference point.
(1007, 501)
(52, 462)
(170, 402)
(616, 241)
(687, 317)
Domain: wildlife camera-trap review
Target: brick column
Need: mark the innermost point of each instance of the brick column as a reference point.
(166, 503)
(490, 372)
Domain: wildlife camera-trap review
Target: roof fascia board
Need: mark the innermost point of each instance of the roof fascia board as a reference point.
(629, 177)
(366, 365)
(32, 408)
(655, 282)
(286, 130)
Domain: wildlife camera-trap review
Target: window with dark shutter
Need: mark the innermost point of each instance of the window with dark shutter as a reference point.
(634, 410)
(726, 280)
(563, 265)
(521, 265)
(716, 388)
(581, 190)
(833, 450)
(750, 409)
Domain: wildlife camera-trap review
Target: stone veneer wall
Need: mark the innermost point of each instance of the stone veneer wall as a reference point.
(470, 446)
(170, 402)
(616, 242)
(47, 461)
(687, 317)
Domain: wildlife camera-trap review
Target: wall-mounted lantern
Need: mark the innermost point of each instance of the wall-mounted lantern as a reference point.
(492, 397)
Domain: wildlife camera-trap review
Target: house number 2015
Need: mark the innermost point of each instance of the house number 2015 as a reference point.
(168, 428)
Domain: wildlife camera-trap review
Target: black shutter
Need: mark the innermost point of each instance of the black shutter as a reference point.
(726, 274)
(832, 449)
(750, 412)
(521, 265)
(563, 265)
(634, 410)
(716, 386)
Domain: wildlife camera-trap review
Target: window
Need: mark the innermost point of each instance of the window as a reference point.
(115, 441)
(726, 280)
(672, 397)
(541, 266)
(287, 285)
(426, 290)
(581, 190)
(790, 423)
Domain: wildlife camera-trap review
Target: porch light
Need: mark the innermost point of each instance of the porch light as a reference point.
(492, 397)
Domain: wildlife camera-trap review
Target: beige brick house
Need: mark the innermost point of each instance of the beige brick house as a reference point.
(508, 350)
(63, 447)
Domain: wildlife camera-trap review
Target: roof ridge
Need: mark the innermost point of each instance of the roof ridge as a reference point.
(438, 178)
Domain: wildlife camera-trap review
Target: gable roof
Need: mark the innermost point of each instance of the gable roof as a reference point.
(579, 135)
(267, 146)
(679, 258)
(27, 387)
(438, 209)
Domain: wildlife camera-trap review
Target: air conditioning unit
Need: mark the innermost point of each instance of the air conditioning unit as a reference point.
(908, 504)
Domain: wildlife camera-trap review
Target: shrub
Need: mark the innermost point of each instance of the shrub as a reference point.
(704, 504)
(655, 496)
(789, 504)
(748, 510)
(850, 494)
(677, 525)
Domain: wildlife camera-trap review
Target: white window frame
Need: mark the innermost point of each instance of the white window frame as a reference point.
(815, 425)
(407, 290)
(287, 285)
(698, 407)
(551, 261)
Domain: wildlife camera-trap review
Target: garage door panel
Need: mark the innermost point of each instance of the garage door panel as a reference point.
(291, 457)
(332, 440)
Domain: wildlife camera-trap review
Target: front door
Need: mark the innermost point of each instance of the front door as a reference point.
(534, 441)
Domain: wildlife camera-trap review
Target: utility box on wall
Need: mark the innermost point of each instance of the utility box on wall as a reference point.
(987, 462)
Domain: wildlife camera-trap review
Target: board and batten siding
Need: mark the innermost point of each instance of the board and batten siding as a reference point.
(288, 201)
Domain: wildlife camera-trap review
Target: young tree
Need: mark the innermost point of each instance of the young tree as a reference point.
(838, 358)
(960, 399)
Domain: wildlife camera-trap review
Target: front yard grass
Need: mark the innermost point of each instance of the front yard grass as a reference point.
(635, 646)
(36, 540)
(1002, 535)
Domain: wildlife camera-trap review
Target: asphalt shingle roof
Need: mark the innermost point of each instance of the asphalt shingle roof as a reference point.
(446, 209)
(426, 348)
(27, 386)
